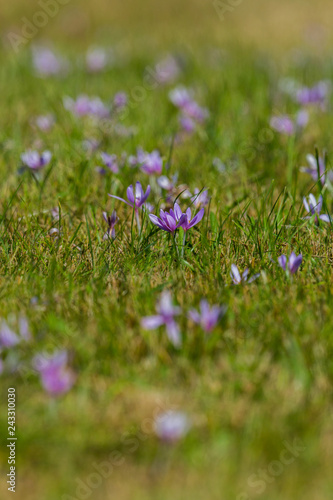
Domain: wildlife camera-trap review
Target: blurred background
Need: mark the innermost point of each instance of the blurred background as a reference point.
(269, 24)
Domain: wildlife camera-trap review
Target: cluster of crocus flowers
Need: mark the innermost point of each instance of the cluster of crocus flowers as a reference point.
(239, 278)
(314, 207)
(86, 106)
(36, 161)
(316, 95)
(208, 316)
(292, 264)
(191, 113)
(171, 426)
(111, 221)
(149, 163)
(56, 377)
(175, 218)
(166, 313)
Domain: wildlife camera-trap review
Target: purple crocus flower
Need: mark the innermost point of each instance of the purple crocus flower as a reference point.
(171, 426)
(45, 122)
(55, 375)
(313, 169)
(166, 70)
(292, 264)
(111, 162)
(316, 95)
(96, 60)
(183, 100)
(237, 278)
(36, 161)
(86, 106)
(200, 198)
(166, 313)
(150, 163)
(8, 338)
(111, 221)
(286, 125)
(135, 199)
(188, 222)
(120, 100)
(314, 208)
(46, 62)
(207, 317)
(169, 221)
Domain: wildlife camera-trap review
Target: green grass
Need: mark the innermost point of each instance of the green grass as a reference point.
(261, 379)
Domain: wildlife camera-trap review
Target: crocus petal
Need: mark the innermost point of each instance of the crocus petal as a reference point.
(178, 211)
(325, 218)
(197, 218)
(121, 199)
(152, 322)
(254, 277)
(145, 196)
(174, 333)
(130, 195)
(235, 275)
(305, 203)
(295, 263)
(194, 316)
(282, 260)
(319, 204)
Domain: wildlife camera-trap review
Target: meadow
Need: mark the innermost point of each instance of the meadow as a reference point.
(166, 208)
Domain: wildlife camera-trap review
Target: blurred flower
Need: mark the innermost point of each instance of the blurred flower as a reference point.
(85, 106)
(314, 168)
(55, 375)
(150, 163)
(120, 100)
(167, 70)
(286, 125)
(314, 208)
(135, 199)
(91, 145)
(111, 162)
(317, 95)
(166, 312)
(207, 317)
(111, 221)
(45, 122)
(36, 161)
(8, 338)
(237, 278)
(47, 63)
(96, 59)
(292, 264)
(171, 426)
(183, 100)
(200, 198)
